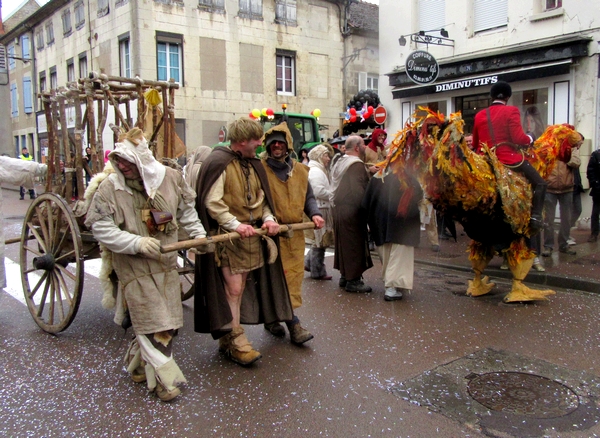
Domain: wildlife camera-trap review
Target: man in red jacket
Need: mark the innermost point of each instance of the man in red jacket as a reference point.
(499, 126)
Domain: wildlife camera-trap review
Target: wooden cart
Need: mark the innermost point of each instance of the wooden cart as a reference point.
(54, 241)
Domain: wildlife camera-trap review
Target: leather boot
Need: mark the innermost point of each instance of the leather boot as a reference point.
(298, 334)
(275, 329)
(537, 204)
(240, 349)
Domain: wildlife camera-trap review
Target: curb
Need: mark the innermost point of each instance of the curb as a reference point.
(541, 278)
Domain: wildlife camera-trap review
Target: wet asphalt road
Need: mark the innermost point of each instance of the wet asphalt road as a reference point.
(340, 384)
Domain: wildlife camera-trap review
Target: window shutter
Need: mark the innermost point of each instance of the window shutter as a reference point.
(362, 80)
(432, 14)
(14, 109)
(488, 14)
(27, 100)
(3, 64)
(25, 47)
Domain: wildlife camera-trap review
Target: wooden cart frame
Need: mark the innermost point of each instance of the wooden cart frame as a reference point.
(54, 242)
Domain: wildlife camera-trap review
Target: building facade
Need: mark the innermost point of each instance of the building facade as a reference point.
(546, 49)
(228, 56)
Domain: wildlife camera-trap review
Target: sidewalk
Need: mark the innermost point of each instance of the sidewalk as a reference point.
(580, 272)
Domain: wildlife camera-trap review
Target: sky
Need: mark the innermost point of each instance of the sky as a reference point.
(8, 6)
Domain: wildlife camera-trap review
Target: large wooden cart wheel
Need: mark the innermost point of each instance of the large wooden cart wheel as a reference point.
(51, 263)
(185, 267)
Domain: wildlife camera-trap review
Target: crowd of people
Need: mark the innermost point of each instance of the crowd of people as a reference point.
(255, 276)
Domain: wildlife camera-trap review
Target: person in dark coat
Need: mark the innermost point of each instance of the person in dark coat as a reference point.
(394, 222)
(593, 176)
(349, 179)
(243, 282)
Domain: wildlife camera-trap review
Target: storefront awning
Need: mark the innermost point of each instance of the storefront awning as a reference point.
(482, 80)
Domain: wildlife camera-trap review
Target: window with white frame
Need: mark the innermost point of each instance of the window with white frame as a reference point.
(14, 100)
(25, 47)
(66, 22)
(169, 56)
(27, 96)
(83, 69)
(368, 81)
(212, 5)
(79, 15)
(432, 14)
(285, 73)
(251, 9)
(552, 4)
(49, 33)
(488, 14)
(124, 56)
(39, 39)
(285, 11)
(12, 63)
(70, 70)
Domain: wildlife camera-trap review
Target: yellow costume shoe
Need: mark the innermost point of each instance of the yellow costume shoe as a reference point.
(521, 293)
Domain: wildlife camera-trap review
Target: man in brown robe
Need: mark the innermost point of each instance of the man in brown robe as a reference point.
(349, 180)
(293, 197)
(243, 281)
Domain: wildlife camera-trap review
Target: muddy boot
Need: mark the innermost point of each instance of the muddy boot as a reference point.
(275, 329)
(357, 286)
(298, 334)
(134, 363)
(240, 349)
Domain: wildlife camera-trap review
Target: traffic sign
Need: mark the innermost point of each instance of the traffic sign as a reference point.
(222, 134)
(380, 115)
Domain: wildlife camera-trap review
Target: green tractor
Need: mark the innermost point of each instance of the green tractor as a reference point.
(303, 127)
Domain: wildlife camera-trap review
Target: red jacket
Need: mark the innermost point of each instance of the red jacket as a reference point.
(506, 124)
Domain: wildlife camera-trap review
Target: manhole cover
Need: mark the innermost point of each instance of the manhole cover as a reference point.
(524, 394)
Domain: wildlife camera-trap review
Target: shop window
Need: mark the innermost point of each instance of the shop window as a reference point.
(489, 15)
(285, 11)
(552, 4)
(50, 33)
(285, 74)
(440, 106)
(66, 22)
(251, 9)
(432, 14)
(169, 56)
(368, 81)
(212, 5)
(533, 105)
(79, 15)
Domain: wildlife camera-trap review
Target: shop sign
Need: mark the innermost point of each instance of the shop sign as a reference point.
(466, 83)
(421, 67)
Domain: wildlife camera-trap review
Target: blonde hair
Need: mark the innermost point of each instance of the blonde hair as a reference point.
(244, 129)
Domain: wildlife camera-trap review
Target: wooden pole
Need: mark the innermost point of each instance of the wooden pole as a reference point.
(194, 243)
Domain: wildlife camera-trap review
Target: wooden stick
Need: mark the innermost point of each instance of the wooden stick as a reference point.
(194, 243)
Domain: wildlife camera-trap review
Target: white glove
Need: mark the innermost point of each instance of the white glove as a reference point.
(150, 247)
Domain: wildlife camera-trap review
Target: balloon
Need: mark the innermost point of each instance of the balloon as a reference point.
(316, 113)
(353, 111)
(263, 112)
(353, 118)
(252, 116)
(256, 113)
(270, 112)
(370, 109)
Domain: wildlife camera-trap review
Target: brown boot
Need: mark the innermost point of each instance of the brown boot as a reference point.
(164, 394)
(240, 349)
(298, 334)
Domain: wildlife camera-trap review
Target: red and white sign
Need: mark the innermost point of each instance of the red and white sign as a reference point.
(222, 134)
(380, 115)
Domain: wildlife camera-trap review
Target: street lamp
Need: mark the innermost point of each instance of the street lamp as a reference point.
(423, 37)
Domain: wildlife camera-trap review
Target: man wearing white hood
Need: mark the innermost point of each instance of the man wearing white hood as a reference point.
(125, 216)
